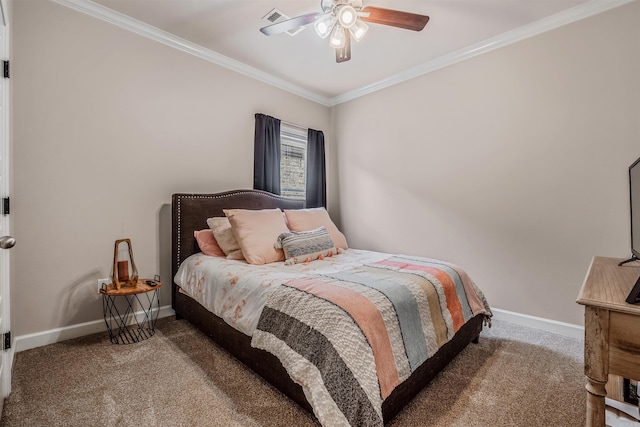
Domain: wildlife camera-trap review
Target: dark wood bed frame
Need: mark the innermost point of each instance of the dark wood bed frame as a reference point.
(190, 213)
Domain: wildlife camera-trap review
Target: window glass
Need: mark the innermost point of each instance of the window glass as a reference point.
(293, 161)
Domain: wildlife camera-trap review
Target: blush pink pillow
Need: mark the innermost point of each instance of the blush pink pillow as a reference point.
(257, 232)
(310, 219)
(207, 243)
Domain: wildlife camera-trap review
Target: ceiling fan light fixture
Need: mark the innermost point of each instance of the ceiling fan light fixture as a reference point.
(358, 30)
(324, 24)
(338, 17)
(338, 37)
(346, 15)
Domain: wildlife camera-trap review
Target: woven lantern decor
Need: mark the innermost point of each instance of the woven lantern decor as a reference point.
(124, 272)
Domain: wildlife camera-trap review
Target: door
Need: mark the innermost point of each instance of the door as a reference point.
(6, 241)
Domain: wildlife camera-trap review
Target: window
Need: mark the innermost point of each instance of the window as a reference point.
(293, 161)
(289, 160)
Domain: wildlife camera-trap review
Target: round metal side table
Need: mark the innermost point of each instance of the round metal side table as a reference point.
(131, 312)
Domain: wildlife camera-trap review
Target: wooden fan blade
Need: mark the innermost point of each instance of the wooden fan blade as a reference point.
(289, 24)
(344, 54)
(395, 18)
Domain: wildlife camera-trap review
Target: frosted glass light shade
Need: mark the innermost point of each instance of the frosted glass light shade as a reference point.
(338, 37)
(346, 15)
(324, 25)
(358, 30)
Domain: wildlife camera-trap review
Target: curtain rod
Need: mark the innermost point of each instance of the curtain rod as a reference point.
(293, 124)
(290, 124)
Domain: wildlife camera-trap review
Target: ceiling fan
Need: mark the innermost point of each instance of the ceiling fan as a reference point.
(342, 20)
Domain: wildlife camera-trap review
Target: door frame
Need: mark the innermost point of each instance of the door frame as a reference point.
(5, 162)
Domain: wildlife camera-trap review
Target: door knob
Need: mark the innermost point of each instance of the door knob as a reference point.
(7, 242)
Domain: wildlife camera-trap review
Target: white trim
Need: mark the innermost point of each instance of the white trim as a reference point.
(548, 325)
(38, 339)
(5, 156)
(4, 11)
(577, 13)
(128, 23)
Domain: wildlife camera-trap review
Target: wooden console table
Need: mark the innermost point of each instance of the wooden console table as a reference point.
(611, 330)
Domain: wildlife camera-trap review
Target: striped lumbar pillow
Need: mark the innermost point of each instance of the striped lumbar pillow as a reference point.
(306, 246)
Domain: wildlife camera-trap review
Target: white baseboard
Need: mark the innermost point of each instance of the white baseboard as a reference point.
(553, 326)
(38, 339)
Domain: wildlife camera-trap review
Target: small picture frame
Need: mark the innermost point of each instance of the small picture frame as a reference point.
(634, 295)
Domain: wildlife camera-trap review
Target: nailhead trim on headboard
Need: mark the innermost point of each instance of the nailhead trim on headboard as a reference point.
(233, 193)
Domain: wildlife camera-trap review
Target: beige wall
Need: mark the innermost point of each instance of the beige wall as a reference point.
(512, 164)
(107, 125)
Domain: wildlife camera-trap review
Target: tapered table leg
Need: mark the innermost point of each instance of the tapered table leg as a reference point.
(596, 393)
(596, 366)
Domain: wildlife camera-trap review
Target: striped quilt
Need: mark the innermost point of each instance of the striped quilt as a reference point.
(350, 337)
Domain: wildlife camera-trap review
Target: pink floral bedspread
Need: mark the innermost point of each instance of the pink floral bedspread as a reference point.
(237, 292)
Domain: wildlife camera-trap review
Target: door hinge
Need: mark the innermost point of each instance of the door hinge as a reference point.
(6, 69)
(7, 340)
(5, 206)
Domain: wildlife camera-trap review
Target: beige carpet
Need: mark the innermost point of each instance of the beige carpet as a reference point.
(515, 376)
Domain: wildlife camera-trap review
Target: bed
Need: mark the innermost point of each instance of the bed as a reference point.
(190, 213)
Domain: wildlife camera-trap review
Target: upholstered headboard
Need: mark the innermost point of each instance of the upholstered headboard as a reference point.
(189, 213)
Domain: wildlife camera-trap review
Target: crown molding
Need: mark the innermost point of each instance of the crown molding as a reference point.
(577, 13)
(569, 16)
(131, 24)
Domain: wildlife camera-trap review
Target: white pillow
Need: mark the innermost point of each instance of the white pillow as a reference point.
(223, 234)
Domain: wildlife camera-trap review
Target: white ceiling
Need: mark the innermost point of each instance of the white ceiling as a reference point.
(231, 28)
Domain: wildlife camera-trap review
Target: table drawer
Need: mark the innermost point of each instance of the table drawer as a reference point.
(624, 345)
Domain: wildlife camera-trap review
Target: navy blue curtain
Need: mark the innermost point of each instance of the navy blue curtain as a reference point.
(316, 170)
(266, 154)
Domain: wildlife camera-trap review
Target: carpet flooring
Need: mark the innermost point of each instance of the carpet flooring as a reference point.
(515, 376)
